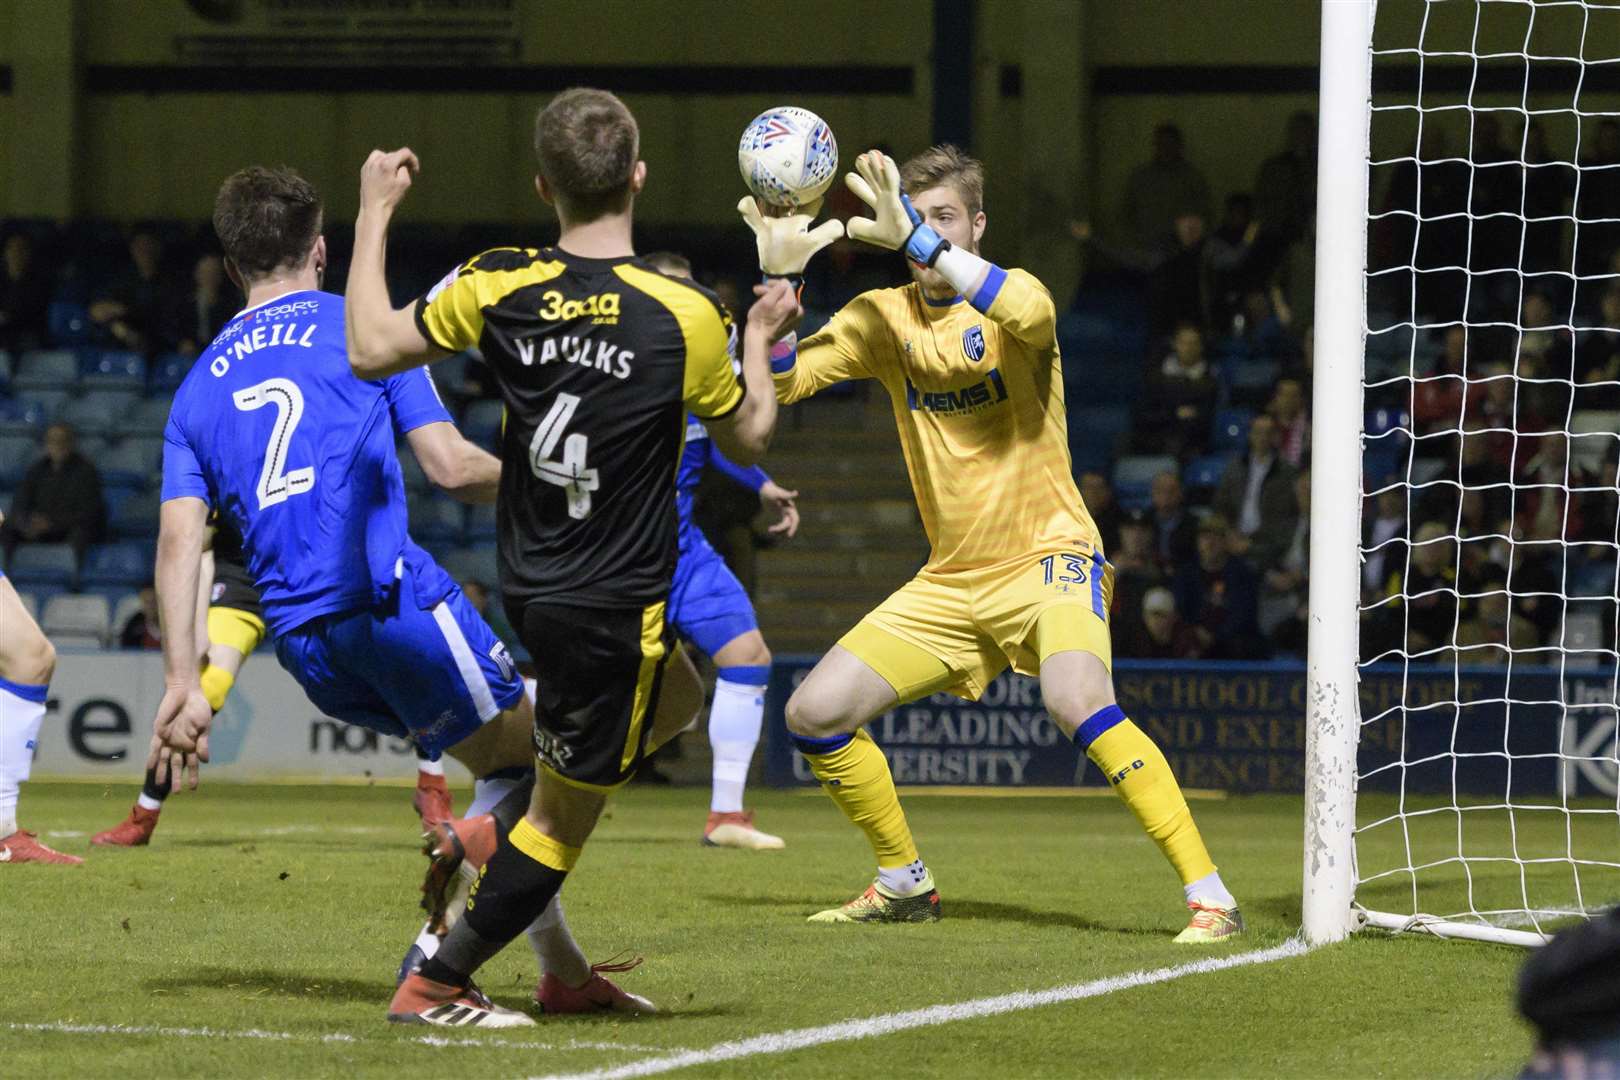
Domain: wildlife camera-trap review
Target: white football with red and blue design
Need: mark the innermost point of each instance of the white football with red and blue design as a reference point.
(788, 157)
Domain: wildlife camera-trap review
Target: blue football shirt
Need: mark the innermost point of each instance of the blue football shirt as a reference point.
(273, 430)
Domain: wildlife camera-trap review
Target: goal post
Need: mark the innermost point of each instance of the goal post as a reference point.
(1333, 713)
(1462, 771)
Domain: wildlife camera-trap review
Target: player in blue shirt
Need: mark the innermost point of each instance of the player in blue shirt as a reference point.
(709, 608)
(273, 430)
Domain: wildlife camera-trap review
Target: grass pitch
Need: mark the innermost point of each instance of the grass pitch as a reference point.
(259, 934)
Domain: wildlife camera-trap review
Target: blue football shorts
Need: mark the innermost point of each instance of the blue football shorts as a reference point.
(707, 604)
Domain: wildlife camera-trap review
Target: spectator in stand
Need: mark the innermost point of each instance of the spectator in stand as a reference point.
(1163, 189)
(1285, 190)
(1257, 494)
(1597, 200)
(130, 308)
(1177, 267)
(1175, 533)
(1219, 597)
(1158, 632)
(1230, 246)
(1549, 185)
(1597, 357)
(1098, 495)
(1136, 570)
(204, 310)
(1261, 327)
(144, 629)
(25, 296)
(1428, 590)
(1495, 631)
(1437, 397)
(1384, 542)
(1496, 193)
(1180, 399)
(1284, 594)
(59, 500)
(1287, 411)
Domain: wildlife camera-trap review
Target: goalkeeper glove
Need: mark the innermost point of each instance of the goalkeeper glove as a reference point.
(786, 243)
(895, 224)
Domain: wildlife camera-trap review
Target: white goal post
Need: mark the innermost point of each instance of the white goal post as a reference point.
(1463, 685)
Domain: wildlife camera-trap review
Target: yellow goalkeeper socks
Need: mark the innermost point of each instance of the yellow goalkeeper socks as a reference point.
(1141, 776)
(854, 772)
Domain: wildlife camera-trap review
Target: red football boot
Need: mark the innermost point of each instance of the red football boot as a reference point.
(597, 995)
(423, 1001)
(432, 800)
(21, 847)
(447, 845)
(134, 831)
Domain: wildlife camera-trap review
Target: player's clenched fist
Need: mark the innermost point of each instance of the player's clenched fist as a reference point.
(386, 177)
(777, 310)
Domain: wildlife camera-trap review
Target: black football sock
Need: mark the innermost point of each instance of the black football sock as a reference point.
(153, 790)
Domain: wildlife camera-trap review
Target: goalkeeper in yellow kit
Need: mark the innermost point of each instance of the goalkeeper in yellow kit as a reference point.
(968, 353)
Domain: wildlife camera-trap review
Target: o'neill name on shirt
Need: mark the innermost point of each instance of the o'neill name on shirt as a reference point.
(604, 357)
(265, 337)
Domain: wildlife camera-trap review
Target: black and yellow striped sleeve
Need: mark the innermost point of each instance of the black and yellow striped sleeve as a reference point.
(451, 314)
(710, 388)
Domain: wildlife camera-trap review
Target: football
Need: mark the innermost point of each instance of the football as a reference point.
(788, 157)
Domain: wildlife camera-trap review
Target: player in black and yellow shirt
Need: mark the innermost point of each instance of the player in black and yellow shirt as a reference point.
(598, 358)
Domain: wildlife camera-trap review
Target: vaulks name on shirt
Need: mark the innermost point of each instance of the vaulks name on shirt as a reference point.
(599, 355)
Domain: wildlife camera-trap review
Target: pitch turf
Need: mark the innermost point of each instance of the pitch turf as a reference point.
(274, 918)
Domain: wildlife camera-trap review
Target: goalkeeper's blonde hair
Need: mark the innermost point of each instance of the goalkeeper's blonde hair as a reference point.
(946, 164)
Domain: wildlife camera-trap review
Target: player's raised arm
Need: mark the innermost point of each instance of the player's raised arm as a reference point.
(463, 470)
(744, 433)
(383, 340)
(1012, 298)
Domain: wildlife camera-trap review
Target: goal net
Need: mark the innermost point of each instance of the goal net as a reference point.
(1465, 731)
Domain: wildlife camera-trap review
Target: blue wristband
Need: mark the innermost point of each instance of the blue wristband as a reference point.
(924, 245)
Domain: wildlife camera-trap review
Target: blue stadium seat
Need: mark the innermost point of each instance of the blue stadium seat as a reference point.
(437, 517)
(114, 369)
(97, 411)
(125, 606)
(482, 422)
(17, 452)
(481, 523)
(472, 564)
(47, 403)
(43, 564)
(6, 365)
(133, 461)
(123, 565)
(20, 416)
(77, 620)
(147, 416)
(68, 324)
(1230, 430)
(1133, 478)
(136, 516)
(168, 372)
(1205, 472)
(416, 481)
(47, 369)
(1252, 376)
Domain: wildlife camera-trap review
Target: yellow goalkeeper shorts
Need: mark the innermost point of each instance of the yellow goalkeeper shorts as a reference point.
(976, 623)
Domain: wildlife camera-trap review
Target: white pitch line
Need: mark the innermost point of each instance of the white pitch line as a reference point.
(849, 1030)
(296, 1037)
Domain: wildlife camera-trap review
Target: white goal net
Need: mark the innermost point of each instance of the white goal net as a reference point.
(1487, 742)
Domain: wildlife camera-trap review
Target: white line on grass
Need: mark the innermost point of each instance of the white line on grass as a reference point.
(296, 1037)
(849, 1030)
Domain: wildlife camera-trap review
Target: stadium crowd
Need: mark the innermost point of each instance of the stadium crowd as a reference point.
(1188, 362)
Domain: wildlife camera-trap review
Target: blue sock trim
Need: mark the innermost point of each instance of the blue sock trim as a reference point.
(516, 773)
(26, 691)
(993, 281)
(1100, 721)
(756, 675)
(813, 747)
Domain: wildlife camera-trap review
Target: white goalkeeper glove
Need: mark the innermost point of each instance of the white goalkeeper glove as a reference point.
(895, 224)
(786, 243)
